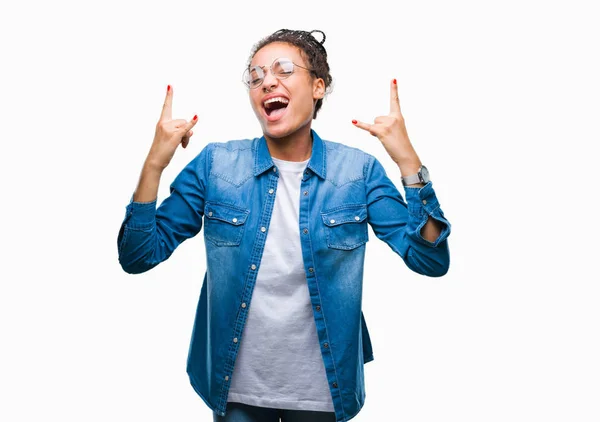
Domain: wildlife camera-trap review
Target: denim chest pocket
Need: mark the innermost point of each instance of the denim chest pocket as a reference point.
(224, 224)
(346, 226)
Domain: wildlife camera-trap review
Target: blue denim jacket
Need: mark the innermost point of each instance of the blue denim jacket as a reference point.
(229, 188)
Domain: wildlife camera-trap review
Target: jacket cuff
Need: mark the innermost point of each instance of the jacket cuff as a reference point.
(422, 204)
(140, 215)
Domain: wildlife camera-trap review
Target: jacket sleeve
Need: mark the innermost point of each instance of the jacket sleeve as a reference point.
(399, 223)
(149, 235)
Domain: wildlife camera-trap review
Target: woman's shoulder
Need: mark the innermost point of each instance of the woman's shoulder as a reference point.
(235, 144)
(341, 151)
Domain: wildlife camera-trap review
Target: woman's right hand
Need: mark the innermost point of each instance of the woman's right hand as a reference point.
(169, 135)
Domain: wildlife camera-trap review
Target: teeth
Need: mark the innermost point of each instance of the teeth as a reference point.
(276, 99)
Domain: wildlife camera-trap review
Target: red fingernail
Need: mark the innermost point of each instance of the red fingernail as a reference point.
(195, 116)
(394, 82)
(168, 88)
(354, 122)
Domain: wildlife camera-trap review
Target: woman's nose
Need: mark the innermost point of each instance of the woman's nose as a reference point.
(269, 82)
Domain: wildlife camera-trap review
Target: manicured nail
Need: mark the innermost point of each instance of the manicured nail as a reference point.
(195, 116)
(354, 122)
(168, 88)
(394, 82)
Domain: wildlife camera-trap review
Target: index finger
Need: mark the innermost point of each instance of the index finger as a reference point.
(166, 113)
(365, 126)
(394, 100)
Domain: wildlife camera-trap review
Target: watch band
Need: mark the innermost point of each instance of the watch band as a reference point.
(412, 179)
(422, 176)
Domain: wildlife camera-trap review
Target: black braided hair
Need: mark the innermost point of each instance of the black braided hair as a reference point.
(313, 52)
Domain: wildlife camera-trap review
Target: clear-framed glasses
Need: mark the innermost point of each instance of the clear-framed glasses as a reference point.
(281, 68)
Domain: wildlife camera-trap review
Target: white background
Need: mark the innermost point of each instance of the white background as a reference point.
(501, 103)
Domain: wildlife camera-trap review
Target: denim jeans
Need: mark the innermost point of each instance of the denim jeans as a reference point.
(240, 412)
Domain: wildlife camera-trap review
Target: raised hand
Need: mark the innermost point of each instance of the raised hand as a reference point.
(169, 135)
(391, 130)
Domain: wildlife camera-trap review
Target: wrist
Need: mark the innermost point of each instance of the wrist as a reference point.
(407, 157)
(409, 167)
(152, 166)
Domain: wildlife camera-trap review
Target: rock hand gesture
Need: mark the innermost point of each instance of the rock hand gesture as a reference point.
(168, 136)
(391, 131)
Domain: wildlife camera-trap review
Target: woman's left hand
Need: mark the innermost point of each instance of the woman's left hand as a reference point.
(391, 130)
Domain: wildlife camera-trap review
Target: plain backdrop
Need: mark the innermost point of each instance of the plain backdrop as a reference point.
(501, 103)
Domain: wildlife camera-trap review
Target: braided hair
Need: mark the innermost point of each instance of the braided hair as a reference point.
(312, 51)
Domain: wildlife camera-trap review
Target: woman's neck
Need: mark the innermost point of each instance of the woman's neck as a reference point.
(294, 147)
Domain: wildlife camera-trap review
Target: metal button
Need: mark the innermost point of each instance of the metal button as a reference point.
(253, 267)
(332, 221)
(271, 191)
(305, 231)
(244, 305)
(424, 202)
(210, 214)
(311, 269)
(275, 169)
(357, 218)
(305, 192)
(235, 340)
(318, 307)
(226, 377)
(234, 220)
(326, 345)
(334, 384)
(263, 229)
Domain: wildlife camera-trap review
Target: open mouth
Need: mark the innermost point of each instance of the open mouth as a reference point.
(275, 107)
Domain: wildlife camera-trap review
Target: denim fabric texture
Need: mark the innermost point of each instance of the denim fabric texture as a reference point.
(229, 189)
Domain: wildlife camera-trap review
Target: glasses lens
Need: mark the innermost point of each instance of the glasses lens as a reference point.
(253, 77)
(282, 68)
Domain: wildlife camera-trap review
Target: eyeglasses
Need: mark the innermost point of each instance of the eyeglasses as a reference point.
(281, 68)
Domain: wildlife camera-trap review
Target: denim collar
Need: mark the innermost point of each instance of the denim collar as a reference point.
(263, 161)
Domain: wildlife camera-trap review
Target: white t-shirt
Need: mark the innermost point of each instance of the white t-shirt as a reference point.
(279, 363)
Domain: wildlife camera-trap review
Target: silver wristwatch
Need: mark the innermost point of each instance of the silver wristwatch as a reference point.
(421, 177)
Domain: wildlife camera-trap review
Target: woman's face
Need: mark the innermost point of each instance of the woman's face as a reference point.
(300, 90)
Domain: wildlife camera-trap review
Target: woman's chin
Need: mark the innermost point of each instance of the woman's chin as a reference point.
(276, 133)
(277, 130)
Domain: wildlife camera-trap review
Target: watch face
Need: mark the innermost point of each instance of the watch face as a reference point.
(425, 174)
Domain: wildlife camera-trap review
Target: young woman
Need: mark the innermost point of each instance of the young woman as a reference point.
(279, 331)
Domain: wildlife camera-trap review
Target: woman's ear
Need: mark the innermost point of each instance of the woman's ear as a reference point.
(318, 88)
